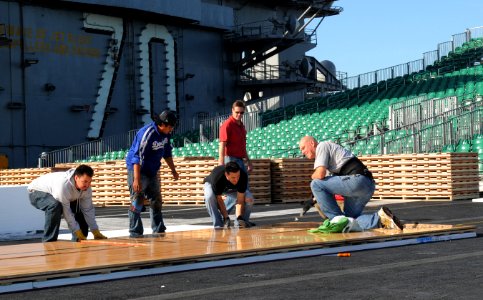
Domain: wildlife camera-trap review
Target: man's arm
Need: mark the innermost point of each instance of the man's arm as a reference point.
(88, 210)
(221, 206)
(69, 215)
(136, 183)
(319, 173)
(169, 161)
(240, 204)
(221, 153)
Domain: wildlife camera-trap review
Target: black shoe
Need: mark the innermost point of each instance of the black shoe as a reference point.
(307, 205)
(162, 229)
(136, 235)
(388, 220)
(242, 223)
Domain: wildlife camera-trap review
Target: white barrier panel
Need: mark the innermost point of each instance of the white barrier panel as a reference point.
(17, 215)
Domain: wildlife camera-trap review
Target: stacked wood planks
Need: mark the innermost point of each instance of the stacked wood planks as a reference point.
(21, 176)
(260, 181)
(431, 176)
(192, 170)
(443, 176)
(291, 179)
(188, 189)
(109, 184)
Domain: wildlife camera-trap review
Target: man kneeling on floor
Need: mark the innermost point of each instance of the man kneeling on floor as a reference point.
(231, 181)
(351, 179)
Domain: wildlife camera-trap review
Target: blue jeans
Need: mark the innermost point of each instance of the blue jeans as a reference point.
(230, 202)
(357, 191)
(53, 213)
(151, 189)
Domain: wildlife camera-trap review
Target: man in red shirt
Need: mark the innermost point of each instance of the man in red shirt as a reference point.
(233, 147)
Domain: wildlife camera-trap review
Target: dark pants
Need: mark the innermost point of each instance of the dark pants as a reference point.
(79, 217)
(151, 190)
(53, 213)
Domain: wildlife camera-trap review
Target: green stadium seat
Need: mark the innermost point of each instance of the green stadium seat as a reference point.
(463, 146)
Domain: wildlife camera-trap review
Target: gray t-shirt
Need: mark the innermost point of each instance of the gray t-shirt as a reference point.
(331, 156)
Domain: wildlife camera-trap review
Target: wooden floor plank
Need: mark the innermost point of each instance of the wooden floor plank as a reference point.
(58, 258)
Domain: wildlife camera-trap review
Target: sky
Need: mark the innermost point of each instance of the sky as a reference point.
(375, 34)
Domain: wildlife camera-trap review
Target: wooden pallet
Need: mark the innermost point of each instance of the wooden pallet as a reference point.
(291, 179)
(448, 176)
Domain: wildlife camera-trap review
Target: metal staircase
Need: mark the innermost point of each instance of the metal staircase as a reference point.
(252, 45)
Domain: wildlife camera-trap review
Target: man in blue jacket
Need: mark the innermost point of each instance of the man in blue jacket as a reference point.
(150, 145)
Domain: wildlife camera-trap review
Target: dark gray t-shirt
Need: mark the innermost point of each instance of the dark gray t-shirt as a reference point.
(331, 156)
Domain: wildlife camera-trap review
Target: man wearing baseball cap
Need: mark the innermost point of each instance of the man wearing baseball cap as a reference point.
(143, 161)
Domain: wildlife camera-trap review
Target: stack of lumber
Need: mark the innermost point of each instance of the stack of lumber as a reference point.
(21, 176)
(431, 176)
(109, 184)
(260, 181)
(291, 179)
(188, 189)
(192, 170)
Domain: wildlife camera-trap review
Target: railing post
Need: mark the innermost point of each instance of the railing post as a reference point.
(468, 34)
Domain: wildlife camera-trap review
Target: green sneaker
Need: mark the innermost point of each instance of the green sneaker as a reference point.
(322, 227)
(337, 225)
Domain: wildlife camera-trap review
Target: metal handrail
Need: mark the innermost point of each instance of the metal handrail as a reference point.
(429, 58)
(473, 112)
(98, 147)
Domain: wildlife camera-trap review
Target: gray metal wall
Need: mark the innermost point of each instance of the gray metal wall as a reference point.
(72, 59)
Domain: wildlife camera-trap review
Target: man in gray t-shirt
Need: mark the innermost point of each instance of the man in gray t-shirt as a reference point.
(331, 156)
(349, 178)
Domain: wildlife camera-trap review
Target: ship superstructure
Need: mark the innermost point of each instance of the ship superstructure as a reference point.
(76, 71)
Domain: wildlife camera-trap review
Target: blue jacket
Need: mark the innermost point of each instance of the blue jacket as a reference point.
(147, 149)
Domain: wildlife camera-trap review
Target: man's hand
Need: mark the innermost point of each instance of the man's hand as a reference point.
(226, 222)
(79, 235)
(136, 185)
(98, 235)
(175, 174)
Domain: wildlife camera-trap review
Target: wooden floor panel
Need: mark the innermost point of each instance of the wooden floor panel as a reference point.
(55, 259)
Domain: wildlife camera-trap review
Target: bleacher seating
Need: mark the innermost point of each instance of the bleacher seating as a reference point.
(349, 116)
(356, 117)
